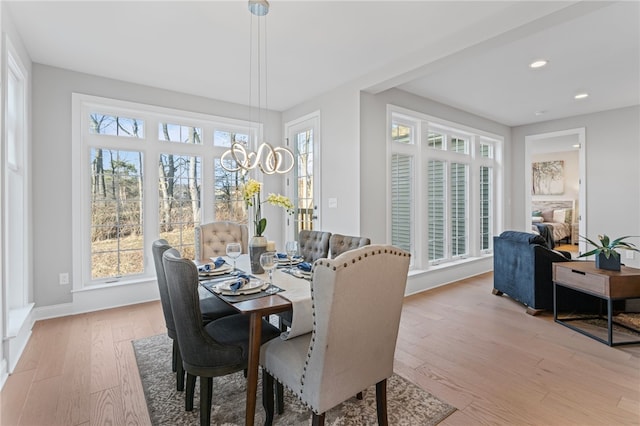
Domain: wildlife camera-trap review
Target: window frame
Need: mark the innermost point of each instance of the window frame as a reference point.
(472, 158)
(151, 146)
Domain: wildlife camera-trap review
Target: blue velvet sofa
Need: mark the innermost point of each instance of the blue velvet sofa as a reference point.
(522, 269)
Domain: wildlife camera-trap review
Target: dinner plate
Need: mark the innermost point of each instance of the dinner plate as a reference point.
(224, 269)
(294, 261)
(254, 286)
(299, 273)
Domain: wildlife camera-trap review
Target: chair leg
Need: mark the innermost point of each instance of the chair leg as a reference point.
(317, 419)
(381, 402)
(279, 398)
(206, 389)
(191, 389)
(359, 396)
(179, 372)
(174, 356)
(267, 397)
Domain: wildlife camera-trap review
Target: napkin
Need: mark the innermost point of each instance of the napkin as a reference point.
(282, 255)
(211, 266)
(305, 266)
(239, 282)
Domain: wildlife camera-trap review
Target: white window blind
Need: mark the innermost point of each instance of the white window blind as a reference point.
(401, 201)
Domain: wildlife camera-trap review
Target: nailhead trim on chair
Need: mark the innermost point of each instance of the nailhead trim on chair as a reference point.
(328, 263)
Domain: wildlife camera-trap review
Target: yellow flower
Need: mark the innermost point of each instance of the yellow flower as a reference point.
(251, 195)
(280, 201)
(251, 189)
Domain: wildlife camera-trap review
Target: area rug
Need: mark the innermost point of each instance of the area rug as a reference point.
(406, 403)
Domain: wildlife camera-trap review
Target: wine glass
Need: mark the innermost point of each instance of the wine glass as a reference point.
(291, 247)
(269, 262)
(234, 250)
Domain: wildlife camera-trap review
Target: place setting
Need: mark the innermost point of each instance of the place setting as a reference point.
(244, 286)
(215, 268)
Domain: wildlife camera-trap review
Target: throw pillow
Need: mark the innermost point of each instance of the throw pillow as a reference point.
(537, 219)
(559, 216)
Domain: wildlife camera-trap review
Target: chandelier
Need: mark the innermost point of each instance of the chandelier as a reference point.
(267, 158)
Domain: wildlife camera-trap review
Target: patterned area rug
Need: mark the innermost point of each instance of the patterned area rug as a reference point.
(406, 403)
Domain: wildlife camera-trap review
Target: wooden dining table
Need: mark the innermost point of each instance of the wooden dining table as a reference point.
(257, 309)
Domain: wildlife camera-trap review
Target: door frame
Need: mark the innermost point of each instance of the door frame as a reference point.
(311, 120)
(582, 175)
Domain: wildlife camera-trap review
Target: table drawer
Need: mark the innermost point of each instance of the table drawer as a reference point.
(582, 280)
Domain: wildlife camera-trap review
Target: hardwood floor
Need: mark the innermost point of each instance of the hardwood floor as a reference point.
(479, 352)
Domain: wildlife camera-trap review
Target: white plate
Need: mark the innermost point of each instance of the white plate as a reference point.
(219, 271)
(299, 273)
(293, 262)
(254, 286)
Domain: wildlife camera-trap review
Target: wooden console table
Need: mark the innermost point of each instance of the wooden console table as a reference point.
(609, 286)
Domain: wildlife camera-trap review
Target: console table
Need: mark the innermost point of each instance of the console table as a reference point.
(609, 286)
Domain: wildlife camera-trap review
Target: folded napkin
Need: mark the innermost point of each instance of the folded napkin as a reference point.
(305, 266)
(282, 255)
(239, 282)
(211, 266)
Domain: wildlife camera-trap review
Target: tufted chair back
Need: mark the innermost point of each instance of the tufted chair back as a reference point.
(212, 238)
(357, 302)
(338, 244)
(314, 245)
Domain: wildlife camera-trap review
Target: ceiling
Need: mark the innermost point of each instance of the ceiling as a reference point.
(471, 55)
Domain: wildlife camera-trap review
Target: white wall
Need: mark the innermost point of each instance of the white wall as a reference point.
(52, 90)
(339, 157)
(612, 171)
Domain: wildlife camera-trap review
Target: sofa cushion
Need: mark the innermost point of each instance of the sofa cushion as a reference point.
(524, 237)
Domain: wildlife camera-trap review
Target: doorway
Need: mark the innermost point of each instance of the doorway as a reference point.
(559, 157)
(304, 189)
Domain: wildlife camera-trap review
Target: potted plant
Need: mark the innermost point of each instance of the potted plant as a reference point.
(606, 255)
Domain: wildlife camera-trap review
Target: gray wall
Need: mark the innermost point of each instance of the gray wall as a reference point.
(612, 171)
(52, 227)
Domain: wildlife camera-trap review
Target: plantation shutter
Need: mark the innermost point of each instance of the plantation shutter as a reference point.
(401, 220)
(458, 209)
(436, 198)
(485, 207)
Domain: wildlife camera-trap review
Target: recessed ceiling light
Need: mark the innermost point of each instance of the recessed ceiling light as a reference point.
(538, 64)
(581, 96)
(576, 145)
(540, 112)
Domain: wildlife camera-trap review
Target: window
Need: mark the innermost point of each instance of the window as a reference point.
(140, 175)
(456, 185)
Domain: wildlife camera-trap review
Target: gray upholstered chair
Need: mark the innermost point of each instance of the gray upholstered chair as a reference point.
(211, 239)
(211, 308)
(357, 302)
(218, 348)
(338, 243)
(313, 244)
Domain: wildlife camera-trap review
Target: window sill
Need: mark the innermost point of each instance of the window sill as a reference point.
(449, 265)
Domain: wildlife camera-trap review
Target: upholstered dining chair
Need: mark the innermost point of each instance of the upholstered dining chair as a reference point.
(357, 301)
(313, 244)
(218, 348)
(211, 309)
(211, 239)
(339, 243)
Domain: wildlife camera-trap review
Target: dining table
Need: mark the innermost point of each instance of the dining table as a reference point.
(293, 293)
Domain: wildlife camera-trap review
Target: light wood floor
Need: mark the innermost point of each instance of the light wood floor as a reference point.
(479, 352)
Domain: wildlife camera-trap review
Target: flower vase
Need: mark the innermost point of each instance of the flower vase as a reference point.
(257, 246)
(610, 264)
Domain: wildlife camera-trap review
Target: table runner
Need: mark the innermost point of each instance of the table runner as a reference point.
(298, 292)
